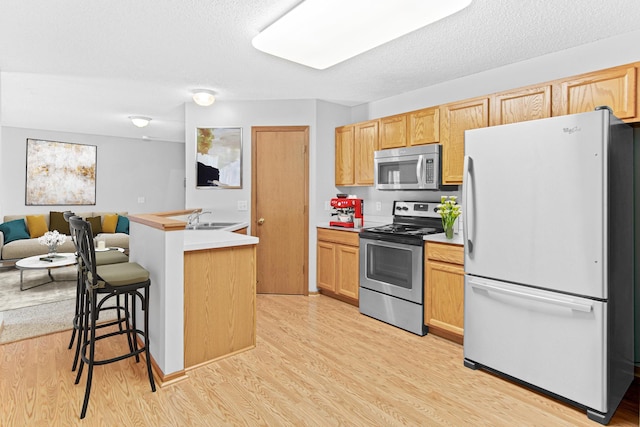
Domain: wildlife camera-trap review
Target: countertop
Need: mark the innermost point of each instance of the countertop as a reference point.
(212, 239)
(368, 224)
(439, 237)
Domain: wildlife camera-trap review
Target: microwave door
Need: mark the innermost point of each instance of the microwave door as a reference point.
(398, 173)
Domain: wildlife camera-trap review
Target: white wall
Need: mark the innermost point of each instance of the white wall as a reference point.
(126, 170)
(321, 117)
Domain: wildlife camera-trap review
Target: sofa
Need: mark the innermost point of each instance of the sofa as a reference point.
(19, 233)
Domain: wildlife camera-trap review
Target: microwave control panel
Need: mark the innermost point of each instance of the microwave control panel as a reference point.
(429, 171)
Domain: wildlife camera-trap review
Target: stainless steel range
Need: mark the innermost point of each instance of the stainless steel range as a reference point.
(392, 265)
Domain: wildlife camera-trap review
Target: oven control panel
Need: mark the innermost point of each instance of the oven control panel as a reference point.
(421, 209)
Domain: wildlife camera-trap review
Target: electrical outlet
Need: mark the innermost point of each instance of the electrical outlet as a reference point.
(378, 206)
(140, 199)
(242, 205)
(327, 206)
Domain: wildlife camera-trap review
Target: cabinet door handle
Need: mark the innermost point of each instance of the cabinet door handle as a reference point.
(261, 221)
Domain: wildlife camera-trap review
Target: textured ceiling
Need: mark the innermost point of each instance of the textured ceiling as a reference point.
(84, 66)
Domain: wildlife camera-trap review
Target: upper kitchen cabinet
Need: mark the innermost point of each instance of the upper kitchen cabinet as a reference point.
(423, 126)
(614, 87)
(366, 142)
(456, 118)
(393, 131)
(520, 105)
(345, 169)
(355, 145)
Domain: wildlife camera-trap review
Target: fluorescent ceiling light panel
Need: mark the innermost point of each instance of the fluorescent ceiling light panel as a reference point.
(322, 33)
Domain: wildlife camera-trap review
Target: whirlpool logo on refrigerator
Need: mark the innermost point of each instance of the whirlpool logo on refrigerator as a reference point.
(571, 130)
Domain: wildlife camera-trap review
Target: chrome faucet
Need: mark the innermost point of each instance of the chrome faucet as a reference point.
(195, 216)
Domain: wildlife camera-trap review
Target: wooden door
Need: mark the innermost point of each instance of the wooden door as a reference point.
(366, 142)
(393, 131)
(344, 162)
(520, 105)
(280, 199)
(455, 119)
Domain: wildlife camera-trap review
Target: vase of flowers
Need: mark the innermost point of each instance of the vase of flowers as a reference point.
(52, 239)
(449, 211)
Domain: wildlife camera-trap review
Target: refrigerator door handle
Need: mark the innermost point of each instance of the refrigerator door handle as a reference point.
(480, 284)
(466, 225)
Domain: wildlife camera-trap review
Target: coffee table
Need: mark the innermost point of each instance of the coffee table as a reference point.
(35, 263)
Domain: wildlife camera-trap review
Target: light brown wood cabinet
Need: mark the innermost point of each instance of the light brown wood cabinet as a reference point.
(444, 290)
(355, 145)
(219, 303)
(614, 87)
(344, 161)
(423, 126)
(617, 88)
(338, 272)
(455, 118)
(393, 131)
(366, 142)
(520, 105)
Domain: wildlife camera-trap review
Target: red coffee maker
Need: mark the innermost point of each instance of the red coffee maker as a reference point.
(349, 212)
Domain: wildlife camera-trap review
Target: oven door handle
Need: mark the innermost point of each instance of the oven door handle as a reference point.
(467, 217)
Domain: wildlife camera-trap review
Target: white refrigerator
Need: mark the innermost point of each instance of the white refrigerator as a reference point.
(548, 232)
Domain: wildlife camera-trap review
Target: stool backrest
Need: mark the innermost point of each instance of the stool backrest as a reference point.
(83, 234)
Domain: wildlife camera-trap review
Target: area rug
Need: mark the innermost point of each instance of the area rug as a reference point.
(37, 320)
(11, 297)
(40, 310)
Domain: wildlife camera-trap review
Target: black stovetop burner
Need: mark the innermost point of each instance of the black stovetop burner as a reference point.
(406, 229)
(411, 222)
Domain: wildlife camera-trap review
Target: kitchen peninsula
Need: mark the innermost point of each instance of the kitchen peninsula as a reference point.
(202, 302)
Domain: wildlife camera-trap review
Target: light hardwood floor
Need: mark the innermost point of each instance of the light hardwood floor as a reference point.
(318, 362)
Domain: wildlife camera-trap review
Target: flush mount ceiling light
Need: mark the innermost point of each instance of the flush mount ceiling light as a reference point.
(322, 33)
(140, 121)
(203, 97)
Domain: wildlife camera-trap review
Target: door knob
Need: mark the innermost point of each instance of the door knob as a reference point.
(261, 221)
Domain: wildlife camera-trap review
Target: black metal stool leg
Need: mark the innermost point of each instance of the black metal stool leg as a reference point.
(92, 350)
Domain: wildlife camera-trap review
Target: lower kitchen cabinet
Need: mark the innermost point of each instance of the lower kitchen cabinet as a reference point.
(338, 273)
(444, 290)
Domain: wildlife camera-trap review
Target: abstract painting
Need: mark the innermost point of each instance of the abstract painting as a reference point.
(60, 173)
(219, 157)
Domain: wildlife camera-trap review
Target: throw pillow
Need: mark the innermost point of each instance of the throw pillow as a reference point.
(57, 222)
(96, 224)
(110, 223)
(123, 225)
(14, 230)
(37, 225)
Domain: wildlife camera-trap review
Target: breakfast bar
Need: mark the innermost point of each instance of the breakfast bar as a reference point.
(202, 301)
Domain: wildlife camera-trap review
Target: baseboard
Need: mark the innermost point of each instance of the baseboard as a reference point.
(161, 379)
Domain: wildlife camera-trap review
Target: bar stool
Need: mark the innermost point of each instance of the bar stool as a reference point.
(102, 258)
(102, 283)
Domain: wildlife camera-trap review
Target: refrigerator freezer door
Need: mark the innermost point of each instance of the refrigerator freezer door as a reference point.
(552, 341)
(535, 203)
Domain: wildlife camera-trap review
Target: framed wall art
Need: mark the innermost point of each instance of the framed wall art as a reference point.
(219, 157)
(60, 173)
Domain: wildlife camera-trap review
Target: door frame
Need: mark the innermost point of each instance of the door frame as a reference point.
(254, 195)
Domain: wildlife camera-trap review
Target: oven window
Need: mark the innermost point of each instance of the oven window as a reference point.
(389, 265)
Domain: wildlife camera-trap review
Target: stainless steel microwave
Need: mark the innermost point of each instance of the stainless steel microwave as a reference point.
(409, 168)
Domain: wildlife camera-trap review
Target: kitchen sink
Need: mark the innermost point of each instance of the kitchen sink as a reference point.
(210, 225)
